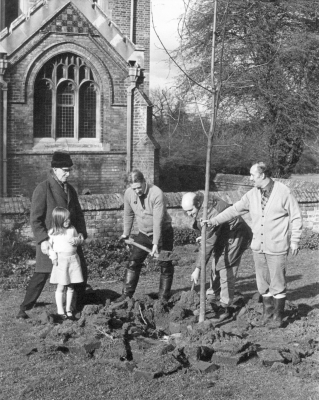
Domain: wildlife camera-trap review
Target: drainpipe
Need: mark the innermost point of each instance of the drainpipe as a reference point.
(134, 74)
(4, 95)
(132, 20)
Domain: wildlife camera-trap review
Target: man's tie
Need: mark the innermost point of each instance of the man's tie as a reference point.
(142, 198)
(65, 187)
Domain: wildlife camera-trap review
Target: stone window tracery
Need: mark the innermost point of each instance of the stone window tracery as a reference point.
(66, 99)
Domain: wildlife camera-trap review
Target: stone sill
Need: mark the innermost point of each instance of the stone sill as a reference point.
(69, 144)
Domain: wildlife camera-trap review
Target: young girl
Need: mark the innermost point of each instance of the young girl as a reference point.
(66, 271)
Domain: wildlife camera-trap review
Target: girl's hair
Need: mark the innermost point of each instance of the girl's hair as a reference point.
(59, 216)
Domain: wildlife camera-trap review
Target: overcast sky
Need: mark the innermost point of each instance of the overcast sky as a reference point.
(165, 15)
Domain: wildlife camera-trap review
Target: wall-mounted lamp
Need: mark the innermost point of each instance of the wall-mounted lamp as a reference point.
(135, 72)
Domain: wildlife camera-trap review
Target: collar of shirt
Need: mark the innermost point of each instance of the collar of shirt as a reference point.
(266, 191)
(145, 190)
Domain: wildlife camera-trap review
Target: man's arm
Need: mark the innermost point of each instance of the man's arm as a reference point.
(241, 207)
(296, 223)
(128, 215)
(80, 220)
(38, 214)
(158, 216)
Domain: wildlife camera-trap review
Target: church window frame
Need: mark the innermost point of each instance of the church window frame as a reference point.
(66, 101)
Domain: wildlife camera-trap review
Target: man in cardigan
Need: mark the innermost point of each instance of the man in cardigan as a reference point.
(231, 239)
(146, 203)
(273, 209)
(53, 192)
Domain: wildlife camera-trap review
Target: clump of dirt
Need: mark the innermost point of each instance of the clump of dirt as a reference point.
(152, 338)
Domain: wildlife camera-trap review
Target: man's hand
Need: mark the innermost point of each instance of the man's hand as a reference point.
(294, 249)
(45, 247)
(55, 263)
(76, 241)
(209, 222)
(198, 240)
(195, 275)
(154, 250)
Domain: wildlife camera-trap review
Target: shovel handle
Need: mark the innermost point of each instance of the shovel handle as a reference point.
(127, 241)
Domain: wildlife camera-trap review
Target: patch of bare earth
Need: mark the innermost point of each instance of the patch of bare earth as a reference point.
(144, 349)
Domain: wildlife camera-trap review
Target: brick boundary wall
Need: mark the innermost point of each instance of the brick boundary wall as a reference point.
(104, 212)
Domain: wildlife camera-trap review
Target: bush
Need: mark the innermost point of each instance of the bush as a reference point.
(16, 251)
(106, 258)
(184, 236)
(309, 240)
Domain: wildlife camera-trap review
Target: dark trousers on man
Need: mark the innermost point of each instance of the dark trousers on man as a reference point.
(137, 258)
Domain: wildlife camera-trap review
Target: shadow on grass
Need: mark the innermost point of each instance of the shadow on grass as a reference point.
(42, 304)
(304, 292)
(100, 296)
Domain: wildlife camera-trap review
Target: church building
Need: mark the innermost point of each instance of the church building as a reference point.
(74, 76)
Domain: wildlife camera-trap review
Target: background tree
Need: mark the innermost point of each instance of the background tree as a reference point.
(268, 91)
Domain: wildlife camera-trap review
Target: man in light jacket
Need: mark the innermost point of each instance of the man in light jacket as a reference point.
(273, 209)
(146, 204)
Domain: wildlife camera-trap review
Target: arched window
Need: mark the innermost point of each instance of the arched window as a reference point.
(65, 99)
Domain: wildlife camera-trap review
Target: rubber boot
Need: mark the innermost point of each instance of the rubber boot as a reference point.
(166, 280)
(279, 313)
(268, 310)
(131, 277)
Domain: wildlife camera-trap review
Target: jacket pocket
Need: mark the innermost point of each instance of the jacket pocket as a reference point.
(278, 246)
(255, 244)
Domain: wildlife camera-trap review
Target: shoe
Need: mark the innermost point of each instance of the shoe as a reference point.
(70, 315)
(62, 317)
(22, 315)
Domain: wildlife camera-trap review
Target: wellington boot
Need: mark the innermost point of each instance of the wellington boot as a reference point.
(268, 311)
(130, 282)
(278, 314)
(166, 280)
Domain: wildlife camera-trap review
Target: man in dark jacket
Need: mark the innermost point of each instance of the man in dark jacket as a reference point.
(231, 238)
(53, 192)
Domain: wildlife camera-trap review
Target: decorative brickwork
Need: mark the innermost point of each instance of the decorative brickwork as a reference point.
(70, 20)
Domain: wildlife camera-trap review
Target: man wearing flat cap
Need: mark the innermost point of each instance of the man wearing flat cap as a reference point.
(53, 192)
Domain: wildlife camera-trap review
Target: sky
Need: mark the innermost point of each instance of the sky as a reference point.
(165, 15)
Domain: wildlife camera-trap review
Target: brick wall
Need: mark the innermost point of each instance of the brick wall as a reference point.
(143, 141)
(104, 212)
(121, 15)
(100, 172)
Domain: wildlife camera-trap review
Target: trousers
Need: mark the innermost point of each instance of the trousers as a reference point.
(270, 273)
